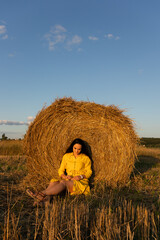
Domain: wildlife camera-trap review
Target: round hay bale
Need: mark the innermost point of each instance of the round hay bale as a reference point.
(107, 131)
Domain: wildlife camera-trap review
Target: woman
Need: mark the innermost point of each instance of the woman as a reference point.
(77, 165)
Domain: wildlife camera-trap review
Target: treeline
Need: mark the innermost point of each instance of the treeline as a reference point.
(150, 142)
(5, 138)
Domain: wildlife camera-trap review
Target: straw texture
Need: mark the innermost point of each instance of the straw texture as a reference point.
(109, 133)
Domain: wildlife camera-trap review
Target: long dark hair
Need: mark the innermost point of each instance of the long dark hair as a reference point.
(78, 141)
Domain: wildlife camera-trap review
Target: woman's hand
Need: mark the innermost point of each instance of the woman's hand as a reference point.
(78, 178)
(68, 177)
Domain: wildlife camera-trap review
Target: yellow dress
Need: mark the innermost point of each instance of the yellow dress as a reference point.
(75, 167)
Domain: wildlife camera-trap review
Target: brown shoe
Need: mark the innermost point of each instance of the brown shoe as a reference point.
(39, 196)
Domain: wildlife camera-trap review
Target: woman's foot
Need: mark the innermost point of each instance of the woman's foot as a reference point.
(39, 196)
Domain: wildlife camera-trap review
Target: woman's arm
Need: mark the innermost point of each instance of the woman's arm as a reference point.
(62, 167)
(63, 176)
(88, 170)
(79, 177)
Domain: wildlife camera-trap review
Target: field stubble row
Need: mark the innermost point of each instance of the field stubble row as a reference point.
(131, 212)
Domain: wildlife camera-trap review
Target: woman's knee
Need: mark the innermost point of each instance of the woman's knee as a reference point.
(67, 184)
(63, 182)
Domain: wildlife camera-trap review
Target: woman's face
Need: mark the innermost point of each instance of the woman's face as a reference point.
(77, 149)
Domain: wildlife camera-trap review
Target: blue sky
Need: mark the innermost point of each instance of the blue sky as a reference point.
(106, 51)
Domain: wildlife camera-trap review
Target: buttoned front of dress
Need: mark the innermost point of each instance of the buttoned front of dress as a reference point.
(75, 166)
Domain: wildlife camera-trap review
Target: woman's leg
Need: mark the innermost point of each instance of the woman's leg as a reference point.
(68, 184)
(51, 185)
(49, 191)
(55, 188)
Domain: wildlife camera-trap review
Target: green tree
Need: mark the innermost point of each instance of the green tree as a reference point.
(4, 137)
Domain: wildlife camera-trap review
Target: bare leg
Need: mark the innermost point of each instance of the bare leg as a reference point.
(51, 185)
(54, 188)
(57, 187)
(51, 190)
(68, 184)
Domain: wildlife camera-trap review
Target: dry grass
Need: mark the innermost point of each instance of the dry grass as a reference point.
(11, 147)
(147, 171)
(143, 151)
(109, 135)
(131, 212)
(80, 219)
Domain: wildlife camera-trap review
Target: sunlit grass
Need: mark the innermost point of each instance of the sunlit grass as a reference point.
(11, 147)
(131, 212)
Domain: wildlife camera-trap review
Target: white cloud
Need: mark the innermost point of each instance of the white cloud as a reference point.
(93, 38)
(54, 40)
(5, 37)
(30, 119)
(3, 32)
(58, 29)
(51, 45)
(3, 29)
(111, 36)
(11, 55)
(59, 36)
(75, 40)
(55, 36)
(80, 50)
(117, 38)
(6, 122)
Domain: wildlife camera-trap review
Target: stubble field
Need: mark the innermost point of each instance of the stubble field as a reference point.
(132, 212)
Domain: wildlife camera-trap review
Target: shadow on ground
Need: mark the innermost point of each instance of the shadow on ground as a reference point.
(145, 163)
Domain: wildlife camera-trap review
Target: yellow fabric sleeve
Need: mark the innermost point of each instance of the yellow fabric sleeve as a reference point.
(88, 171)
(62, 166)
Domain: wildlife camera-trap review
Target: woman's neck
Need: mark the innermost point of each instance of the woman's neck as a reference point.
(76, 155)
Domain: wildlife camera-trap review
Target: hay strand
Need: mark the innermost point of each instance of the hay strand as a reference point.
(109, 133)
